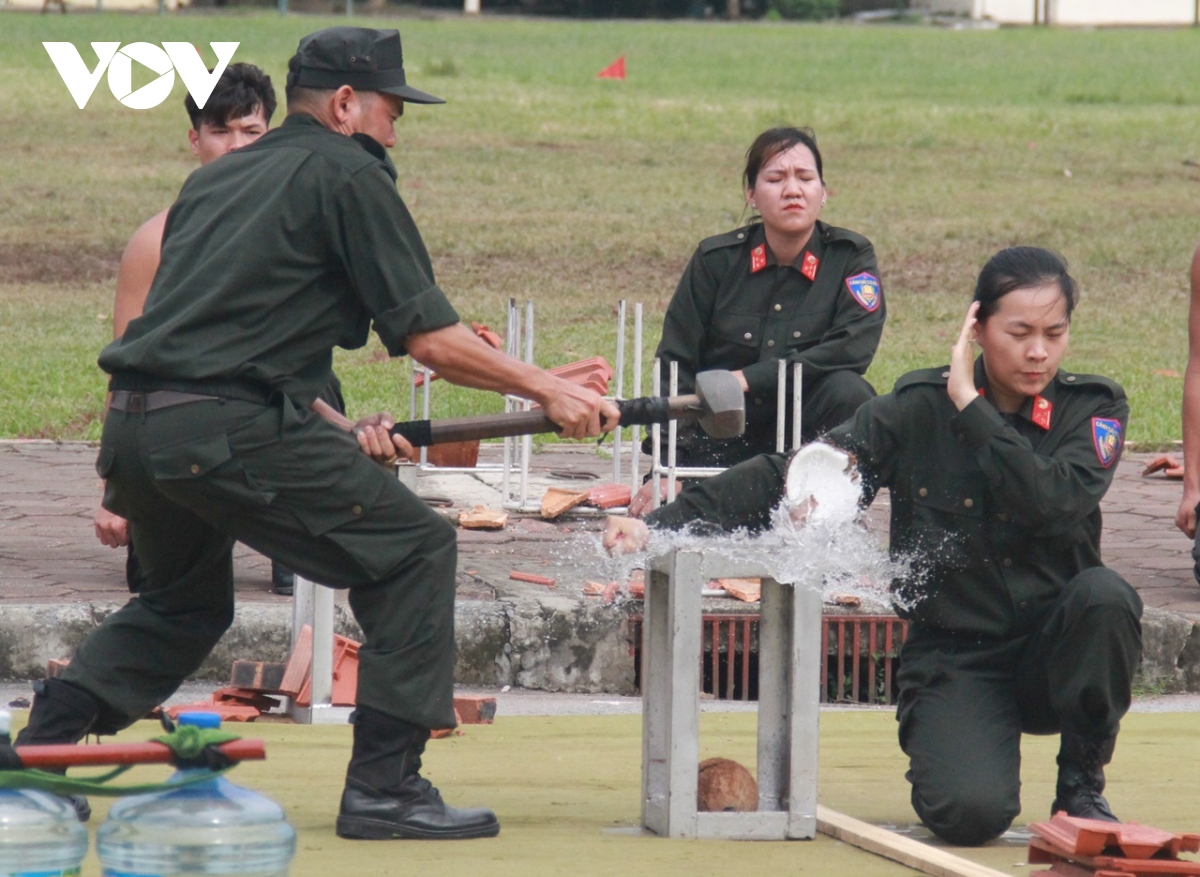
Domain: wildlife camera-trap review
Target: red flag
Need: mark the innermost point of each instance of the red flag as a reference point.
(615, 70)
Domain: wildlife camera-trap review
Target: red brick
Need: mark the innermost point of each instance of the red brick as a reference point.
(609, 496)
(299, 665)
(475, 709)
(54, 667)
(229, 712)
(532, 578)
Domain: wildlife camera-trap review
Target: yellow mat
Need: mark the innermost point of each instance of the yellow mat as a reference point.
(566, 790)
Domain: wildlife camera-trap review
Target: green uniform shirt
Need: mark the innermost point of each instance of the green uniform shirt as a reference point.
(273, 255)
(995, 512)
(735, 308)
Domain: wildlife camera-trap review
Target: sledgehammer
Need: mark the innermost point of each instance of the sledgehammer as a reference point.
(718, 404)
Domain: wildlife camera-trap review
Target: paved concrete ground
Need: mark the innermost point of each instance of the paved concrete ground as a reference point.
(55, 576)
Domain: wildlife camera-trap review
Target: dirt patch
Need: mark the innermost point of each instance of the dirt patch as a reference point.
(57, 263)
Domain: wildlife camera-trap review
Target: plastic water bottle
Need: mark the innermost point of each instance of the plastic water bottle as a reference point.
(206, 827)
(39, 833)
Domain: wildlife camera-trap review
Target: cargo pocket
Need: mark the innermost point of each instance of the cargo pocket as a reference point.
(343, 516)
(350, 499)
(106, 464)
(206, 466)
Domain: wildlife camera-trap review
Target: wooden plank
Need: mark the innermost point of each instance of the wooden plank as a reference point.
(905, 850)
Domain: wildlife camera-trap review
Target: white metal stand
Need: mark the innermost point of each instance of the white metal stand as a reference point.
(313, 605)
(789, 642)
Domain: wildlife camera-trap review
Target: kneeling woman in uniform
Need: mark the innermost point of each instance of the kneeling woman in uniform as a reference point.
(787, 287)
(996, 467)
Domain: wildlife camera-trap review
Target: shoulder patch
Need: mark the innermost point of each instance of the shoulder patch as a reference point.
(1107, 439)
(864, 288)
(734, 238)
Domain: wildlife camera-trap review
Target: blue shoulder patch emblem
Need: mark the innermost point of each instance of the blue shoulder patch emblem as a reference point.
(865, 289)
(1106, 436)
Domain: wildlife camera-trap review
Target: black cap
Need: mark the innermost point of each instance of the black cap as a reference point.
(361, 57)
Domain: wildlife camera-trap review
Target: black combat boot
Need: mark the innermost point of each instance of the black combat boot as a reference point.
(283, 580)
(1081, 777)
(61, 713)
(386, 797)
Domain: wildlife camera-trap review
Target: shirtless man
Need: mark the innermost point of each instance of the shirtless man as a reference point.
(1185, 518)
(237, 113)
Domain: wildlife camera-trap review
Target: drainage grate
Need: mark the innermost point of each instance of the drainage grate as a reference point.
(861, 655)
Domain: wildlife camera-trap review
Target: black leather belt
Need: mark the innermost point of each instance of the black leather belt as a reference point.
(137, 402)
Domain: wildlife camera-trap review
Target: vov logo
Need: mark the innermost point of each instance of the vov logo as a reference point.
(118, 61)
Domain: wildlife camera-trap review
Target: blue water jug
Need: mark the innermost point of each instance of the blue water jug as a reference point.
(206, 827)
(39, 833)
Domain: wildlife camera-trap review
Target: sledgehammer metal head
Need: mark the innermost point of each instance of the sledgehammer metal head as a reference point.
(722, 404)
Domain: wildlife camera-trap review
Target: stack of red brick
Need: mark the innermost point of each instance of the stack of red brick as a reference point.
(1075, 847)
(257, 687)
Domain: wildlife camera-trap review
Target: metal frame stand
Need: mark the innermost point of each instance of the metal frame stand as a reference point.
(671, 471)
(313, 605)
(788, 703)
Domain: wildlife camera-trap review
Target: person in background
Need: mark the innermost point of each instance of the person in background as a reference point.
(786, 287)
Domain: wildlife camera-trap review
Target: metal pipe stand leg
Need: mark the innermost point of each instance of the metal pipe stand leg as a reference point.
(789, 655)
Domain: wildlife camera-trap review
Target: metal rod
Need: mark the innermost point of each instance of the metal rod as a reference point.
(619, 393)
(780, 405)
(635, 450)
(797, 403)
(322, 647)
(426, 380)
(509, 348)
(655, 439)
(672, 437)
(527, 441)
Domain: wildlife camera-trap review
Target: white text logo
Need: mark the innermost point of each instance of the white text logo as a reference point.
(118, 61)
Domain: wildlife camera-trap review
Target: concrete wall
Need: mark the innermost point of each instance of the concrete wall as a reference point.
(1071, 12)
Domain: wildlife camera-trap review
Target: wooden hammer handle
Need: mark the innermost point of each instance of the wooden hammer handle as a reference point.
(643, 411)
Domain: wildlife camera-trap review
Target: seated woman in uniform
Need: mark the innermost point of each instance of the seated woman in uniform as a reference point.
(996, 467)
(785, 287)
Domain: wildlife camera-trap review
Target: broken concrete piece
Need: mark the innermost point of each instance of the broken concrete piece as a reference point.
(482, 518)
(846, 600)
(593, 589)
(557, 500)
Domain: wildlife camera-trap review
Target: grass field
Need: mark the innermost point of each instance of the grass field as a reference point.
(538, 181)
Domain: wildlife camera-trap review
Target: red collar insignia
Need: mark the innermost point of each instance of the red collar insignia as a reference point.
(1042, 408)
(809, 266)
(758, 258)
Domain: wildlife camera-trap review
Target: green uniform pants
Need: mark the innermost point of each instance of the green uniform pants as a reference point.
(964, 703)
(194, 478)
